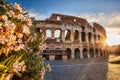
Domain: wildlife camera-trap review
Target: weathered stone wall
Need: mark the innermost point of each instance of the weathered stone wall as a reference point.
(78, 39)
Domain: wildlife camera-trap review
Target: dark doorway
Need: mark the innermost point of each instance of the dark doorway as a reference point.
(58, 57)
(68, 53)
(91, 53)
(77, 53)
(85, 53)
(96, 52)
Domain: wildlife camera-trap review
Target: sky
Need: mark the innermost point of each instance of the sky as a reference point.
(104, 12)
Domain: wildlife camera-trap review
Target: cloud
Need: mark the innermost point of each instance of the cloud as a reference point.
(111, 21)
(36, 15)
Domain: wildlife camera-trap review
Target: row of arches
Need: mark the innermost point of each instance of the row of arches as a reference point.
(68, 34)
(85, 53)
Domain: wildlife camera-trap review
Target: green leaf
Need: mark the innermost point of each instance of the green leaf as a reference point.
(18, 74)
(2, 67)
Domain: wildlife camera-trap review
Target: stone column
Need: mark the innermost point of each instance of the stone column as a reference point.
(96, 38)
(94, 52)
(63, 35)
(52, 34)
(44, 35)
(72, 53)
(88, 55)
(80, 38)
(86, 37)
(72, 36)
(98, 52)
(93, 38)
(81, 53)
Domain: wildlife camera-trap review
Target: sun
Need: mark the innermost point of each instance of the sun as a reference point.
(113, 39)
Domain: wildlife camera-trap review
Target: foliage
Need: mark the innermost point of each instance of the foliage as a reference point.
(36, 68)
(19, 49)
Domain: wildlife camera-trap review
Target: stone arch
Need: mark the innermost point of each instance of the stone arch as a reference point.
(91, 52)
(99, 37)
(48, 33)
(67, 34)
(68, 51)
(57, 33)
(90, 37)
(83, 37)
(76, 35)
(85, 53)
(96, 52)
(77, 53)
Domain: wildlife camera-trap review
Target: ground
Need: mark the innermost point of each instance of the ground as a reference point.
(87, 69)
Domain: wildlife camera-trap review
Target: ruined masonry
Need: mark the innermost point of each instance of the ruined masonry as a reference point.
(70, 37)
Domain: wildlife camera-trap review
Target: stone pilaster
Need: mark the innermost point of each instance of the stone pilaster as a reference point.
(63, 35)
(52, 34)
(72, 36)
(72, 53)
(51, 57)
(88, 53)
(86, 37)
(80, 38)
(93, 38)
(81, 53)
(96, 38)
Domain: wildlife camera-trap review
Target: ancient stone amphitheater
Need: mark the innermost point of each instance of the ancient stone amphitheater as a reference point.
(70, 37)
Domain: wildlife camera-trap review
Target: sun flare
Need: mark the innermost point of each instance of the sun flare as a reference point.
(113, 39)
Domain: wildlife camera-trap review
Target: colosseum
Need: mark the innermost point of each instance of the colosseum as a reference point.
(70, 37)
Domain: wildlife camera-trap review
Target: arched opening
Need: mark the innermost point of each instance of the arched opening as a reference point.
(67, 34)
(48, 33)
(90, 37)
(96, 52)
(77, 53)
(91, 53)
(38, 30)
(105, 53)
(57, 34)
(83, 28)
(68, 50)
(76, 35)
(101, 53)
(83, 36)
(99, 37)
(58, 57)
(85, 53)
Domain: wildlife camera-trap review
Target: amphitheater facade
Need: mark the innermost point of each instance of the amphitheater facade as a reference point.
(70, 37)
